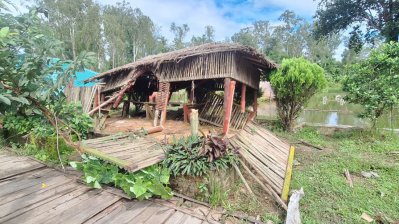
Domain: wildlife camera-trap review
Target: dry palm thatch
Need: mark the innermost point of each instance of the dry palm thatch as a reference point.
(200, 62)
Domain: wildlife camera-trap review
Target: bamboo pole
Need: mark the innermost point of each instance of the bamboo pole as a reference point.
(288, 174)
(110, 100)
(267, 188)
(243, 179)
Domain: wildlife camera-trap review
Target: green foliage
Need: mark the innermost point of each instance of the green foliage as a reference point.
(45, 149)
(294, 83)
(21, 125)
(183, 158)
(143, 184)
(329, 198)
(374, 83)
(38, 126)
(378, 17)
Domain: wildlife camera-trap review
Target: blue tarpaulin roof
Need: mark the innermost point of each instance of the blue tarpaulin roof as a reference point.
(83, 75)
(80, 75)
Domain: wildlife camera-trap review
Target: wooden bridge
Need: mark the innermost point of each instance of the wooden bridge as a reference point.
(33, 193)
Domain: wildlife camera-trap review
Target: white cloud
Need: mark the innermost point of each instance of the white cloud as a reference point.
(197, 14)
(301, 7)
(227, 17)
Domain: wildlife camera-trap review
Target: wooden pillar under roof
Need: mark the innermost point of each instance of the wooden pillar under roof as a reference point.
(228, 104)
(252, 116)
(243, 96)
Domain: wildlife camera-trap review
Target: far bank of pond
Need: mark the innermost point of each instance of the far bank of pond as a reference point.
(328, 108)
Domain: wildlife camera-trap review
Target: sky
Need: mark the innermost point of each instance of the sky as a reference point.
(226, 16)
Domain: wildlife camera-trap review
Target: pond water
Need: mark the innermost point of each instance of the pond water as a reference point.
(330, 109)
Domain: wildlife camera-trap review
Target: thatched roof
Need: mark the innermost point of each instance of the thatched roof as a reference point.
(154, 61)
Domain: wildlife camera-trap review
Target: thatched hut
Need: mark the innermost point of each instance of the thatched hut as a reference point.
(199, 70)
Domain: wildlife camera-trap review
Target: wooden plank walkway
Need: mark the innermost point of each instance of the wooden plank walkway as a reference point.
(265, 153)
(127, 151)
(33, 193)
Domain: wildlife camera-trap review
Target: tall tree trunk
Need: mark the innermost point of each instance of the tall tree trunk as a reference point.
(73, 40)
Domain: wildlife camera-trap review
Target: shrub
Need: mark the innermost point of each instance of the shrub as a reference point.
(374, 83)
(142, 184)
(41, 136)
(195, 155)
(294, 83)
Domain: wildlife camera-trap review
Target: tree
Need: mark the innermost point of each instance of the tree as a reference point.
(207, 37)
(377, 16)
(31, 83)
(129, 34)
(292, 38)
(180, 33)
(374, 82)
(75, 22)
(294, 83)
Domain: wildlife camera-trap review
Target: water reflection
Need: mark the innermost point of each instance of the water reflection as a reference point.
(330, 109)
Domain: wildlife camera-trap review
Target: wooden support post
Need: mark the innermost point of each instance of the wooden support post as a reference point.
(243, 96)
(252, 116)
(164, 111)
(226, 92)
(185, 113)
(102, 98)
(96, 103)
(229, 107)
(99, 100)
(255, 102)
(288, 174)
(192, 92)
(147, 110)
(194, 122)
(156, 115)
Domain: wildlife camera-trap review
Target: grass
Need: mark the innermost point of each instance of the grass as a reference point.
(328, 198)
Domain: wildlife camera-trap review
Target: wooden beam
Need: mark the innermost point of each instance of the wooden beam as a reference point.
(110, 100)
(288, 174)
(229, 107)
(243, 96)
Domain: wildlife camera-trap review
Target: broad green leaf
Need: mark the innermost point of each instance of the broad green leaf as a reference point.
(73, 164)
(4, 31)
(90, 179)
(139, 188)
(96, 185)
(5, 100)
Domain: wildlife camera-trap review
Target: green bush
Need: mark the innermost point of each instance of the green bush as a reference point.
(183, 158)
(142, 184)
(294, 83)
(374, 83)
(41, 139)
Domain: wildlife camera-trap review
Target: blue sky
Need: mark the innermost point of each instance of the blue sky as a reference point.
(226, 16)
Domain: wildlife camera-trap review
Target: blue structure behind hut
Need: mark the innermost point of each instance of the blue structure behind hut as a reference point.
(79, 91)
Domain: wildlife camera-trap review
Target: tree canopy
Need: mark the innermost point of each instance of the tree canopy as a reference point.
(378, 17)
(294, 83)
(374, 82)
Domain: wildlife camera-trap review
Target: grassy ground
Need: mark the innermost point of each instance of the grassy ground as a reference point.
(328, 197)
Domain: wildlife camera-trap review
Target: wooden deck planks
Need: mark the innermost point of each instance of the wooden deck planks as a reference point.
(264, 152)
(12, 165)
(131, 154)
(24, 199)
